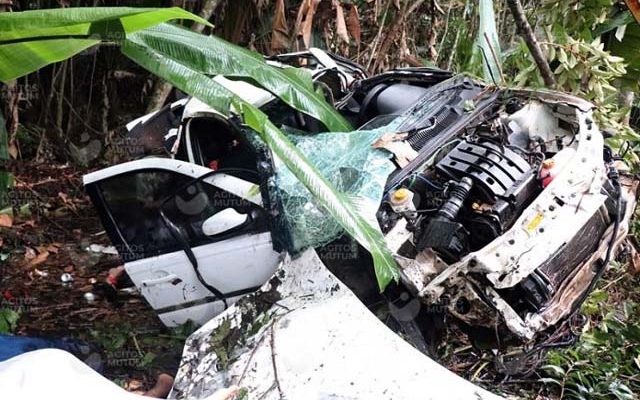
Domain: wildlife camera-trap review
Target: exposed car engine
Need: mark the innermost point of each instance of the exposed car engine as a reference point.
(456, 205)
(468, 198)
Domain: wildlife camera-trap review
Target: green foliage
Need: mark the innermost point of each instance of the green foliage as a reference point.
(29, 40)
(605, 363)
(8, 320)
(629, 49)
(222, 343)
(111, 338)
(576, 19)
(460, 45)
(580, 64)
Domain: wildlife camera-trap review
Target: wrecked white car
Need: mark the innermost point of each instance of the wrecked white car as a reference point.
(502, 207)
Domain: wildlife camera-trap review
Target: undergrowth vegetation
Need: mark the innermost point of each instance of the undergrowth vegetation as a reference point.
(605, 362)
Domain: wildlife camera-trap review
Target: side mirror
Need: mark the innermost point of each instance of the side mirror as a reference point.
(223, 221)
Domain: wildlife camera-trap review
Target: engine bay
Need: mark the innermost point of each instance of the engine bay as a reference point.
(447, 218)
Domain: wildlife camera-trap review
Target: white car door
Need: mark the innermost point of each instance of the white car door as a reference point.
(193, 240)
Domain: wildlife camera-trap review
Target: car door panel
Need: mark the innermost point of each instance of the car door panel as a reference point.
(153, 211)
(169, 280)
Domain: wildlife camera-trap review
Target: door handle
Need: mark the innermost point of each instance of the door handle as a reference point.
(165, 279)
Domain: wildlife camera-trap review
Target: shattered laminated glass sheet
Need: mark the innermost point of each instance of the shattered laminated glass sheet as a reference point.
(348, 161)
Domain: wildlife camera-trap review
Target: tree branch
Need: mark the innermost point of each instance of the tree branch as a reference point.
(524, 29)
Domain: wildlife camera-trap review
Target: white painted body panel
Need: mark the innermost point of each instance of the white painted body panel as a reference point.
(231, 184)
(231, 265)
(323, 343)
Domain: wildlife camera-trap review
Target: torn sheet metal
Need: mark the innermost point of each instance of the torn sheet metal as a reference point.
(305, 335)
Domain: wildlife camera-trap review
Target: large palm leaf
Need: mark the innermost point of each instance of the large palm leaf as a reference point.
(30, 40)
(488, 42)
(183, 75)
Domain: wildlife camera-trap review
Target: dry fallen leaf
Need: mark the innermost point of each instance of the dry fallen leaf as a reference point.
(39, 259)
(13, 149)
(280, 34)
(304, 21)
(396, 144)
(6, 221)
(42, 274)
(353, 24)
(67, 200)
(341, 25)
(29, 253)
(635, 264)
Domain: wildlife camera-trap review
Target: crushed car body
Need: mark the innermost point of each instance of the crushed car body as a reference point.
(502, 207)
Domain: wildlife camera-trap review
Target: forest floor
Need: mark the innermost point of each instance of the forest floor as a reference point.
(50, 236)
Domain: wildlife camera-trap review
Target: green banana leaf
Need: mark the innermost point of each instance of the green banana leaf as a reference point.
(189, 79)
(29, 40)
(212, 56)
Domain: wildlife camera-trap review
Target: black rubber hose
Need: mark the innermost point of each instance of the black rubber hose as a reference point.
(457, 196)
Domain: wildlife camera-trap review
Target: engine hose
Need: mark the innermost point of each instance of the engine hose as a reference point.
(614, 177)
(458, 195)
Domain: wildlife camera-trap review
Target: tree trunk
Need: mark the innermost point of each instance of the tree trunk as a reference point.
(161, 88)
(524, 29)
